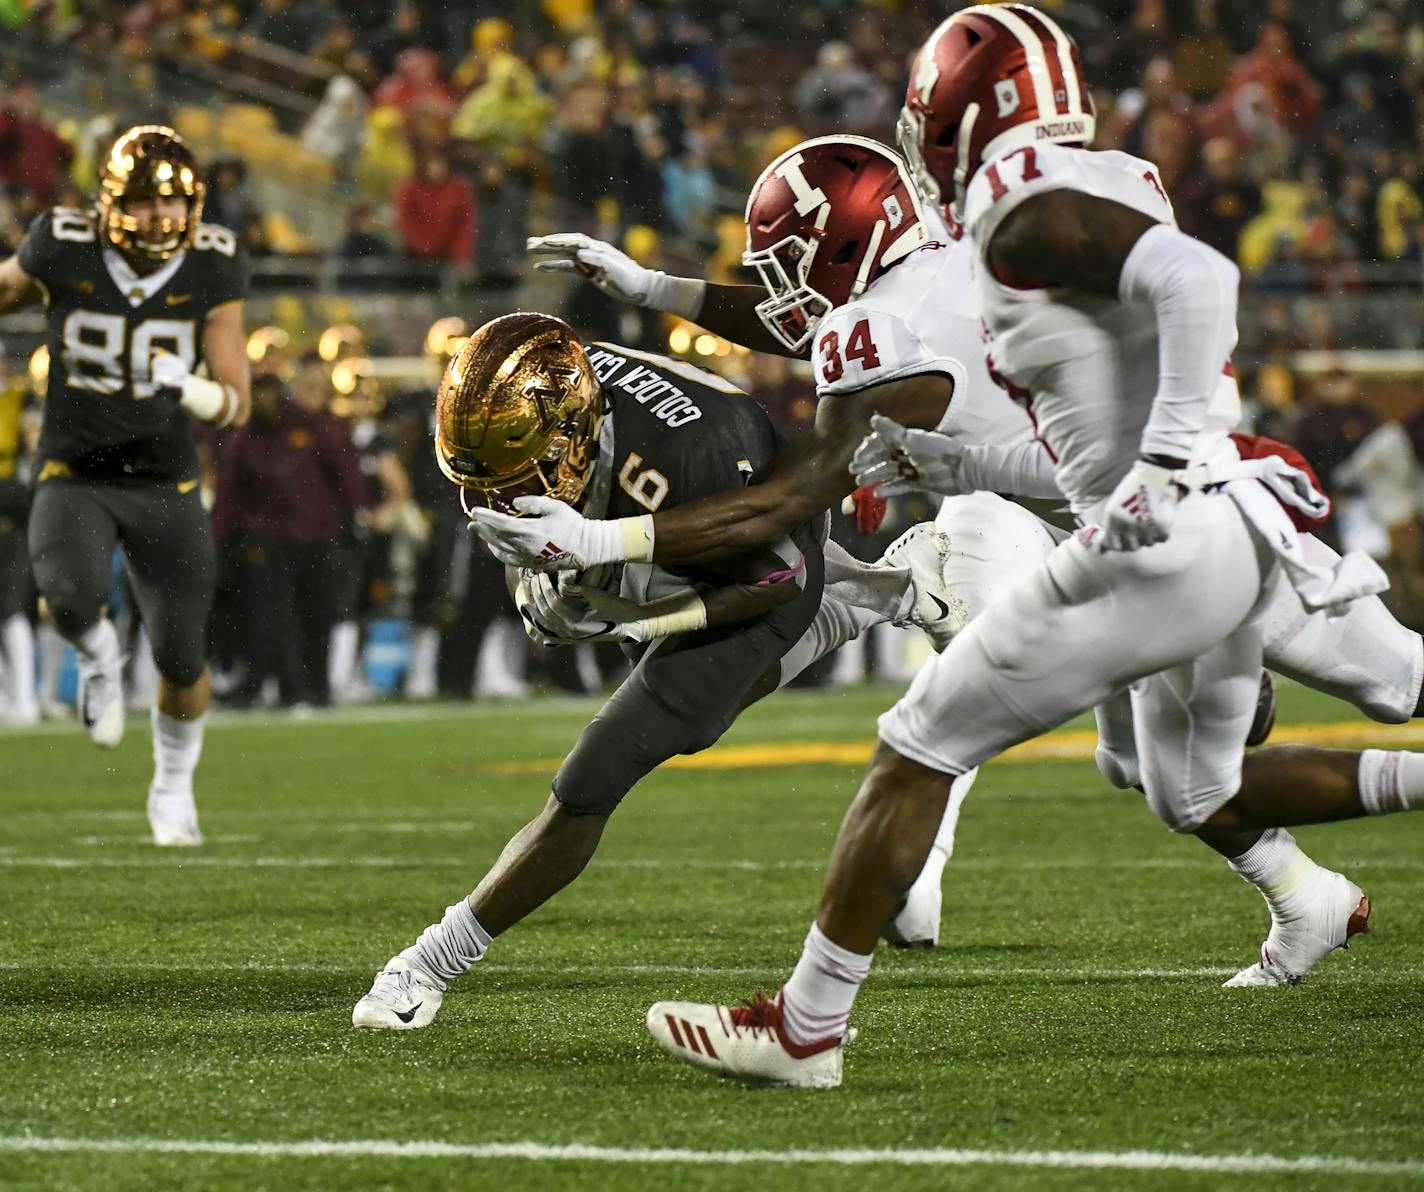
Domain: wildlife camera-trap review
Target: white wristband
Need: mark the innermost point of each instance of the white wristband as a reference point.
(677, 295)
(209, 401)
(681, 612)
(635, 536)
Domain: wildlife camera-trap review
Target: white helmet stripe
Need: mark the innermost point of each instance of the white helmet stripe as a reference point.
(1033, 51)
(1071, 83)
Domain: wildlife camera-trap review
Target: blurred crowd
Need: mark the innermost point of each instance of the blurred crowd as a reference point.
(1289, 132)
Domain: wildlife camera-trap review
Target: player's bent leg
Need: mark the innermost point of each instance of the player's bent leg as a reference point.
(1365, 657)
(798, 1039)
(172, 565)
(180, 714)
(72, 536)
(916, 920)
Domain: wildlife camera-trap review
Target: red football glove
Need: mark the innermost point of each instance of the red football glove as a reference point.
(868, 506)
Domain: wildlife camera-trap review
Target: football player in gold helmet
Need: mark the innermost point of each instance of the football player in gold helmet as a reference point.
(527, 416)
(139, 292)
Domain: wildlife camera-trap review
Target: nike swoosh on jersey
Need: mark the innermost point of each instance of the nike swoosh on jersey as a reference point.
(177, 299)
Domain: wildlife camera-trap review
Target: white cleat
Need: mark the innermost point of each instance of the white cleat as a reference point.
(1333, 912)
(402, 998)
(174, 820)
(101, 702)
(916, 922)
(746, 1043)
(924, 550)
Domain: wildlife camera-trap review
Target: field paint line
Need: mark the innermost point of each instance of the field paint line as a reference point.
(1066, 745)
(143, 838)
(838, 1157)
(888, 971)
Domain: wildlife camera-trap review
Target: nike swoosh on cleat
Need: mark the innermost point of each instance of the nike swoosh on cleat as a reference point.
(409, 1014)
(939, 604)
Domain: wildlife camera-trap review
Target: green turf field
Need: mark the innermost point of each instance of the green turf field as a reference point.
(202, 998)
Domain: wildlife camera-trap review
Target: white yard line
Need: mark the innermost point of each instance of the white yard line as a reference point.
(840, 1157)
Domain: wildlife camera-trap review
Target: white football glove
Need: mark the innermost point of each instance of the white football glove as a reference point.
(900, 460)
(1142, 507)
(555, 613)
(611, 270)
(551, 536)
(168, 371)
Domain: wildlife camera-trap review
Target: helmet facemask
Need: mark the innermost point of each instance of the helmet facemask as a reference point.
(149, 161)
(794, 309)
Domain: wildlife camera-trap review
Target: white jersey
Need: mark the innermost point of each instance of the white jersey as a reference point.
(1085, 366)
(920, 316)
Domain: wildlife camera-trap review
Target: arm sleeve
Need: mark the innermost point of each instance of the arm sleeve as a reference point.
(1023, 469)
(1193, 289)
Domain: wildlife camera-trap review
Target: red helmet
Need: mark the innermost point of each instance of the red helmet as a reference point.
(822, 221)
(990, 79)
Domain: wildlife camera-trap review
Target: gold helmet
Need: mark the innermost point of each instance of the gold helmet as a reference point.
(147, 161)
(519, 411)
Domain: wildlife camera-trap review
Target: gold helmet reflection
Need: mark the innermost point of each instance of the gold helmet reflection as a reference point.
(519, 411)
(147, 161)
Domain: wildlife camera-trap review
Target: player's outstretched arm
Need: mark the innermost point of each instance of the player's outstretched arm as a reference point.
(728, 311)
(809, 475)
(17, 288)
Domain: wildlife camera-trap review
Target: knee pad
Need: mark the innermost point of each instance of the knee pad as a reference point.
(71, 609)
(1120, 769)
(180, 665)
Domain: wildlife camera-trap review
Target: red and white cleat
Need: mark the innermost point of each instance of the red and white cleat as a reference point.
(746, 1043)
(1330, 912)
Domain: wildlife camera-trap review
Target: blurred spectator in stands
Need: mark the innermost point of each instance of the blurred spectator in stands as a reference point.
(489, 39)
(1357, 213)
(288, 482)
(255, 237)
(338, 48)
(1214, 202)
(1401, 206)
(337, 129)
(12, 230)
(404, 31)
(291, 25)
(1169, 140)
(690, 192)
(503, 119)
(1268, 94)
(839, 94)
(229, 201)
(1331, 423)
(579, 146)
(32, 155)
(435, 212)
(362, 238)
(161, 26)
(1203, 55)
(1160, 93)
(415, 82)
(1356, 118)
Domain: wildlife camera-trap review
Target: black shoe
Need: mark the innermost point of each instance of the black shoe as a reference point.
(1265, 719)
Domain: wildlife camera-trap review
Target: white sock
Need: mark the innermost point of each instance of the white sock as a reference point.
(424, 655)
(817, 997)
(452, 946)
(99, 644)
(1276, 866)
(177, 745)
(19, 647)
(51, 663)
(341, 661)
(1391, 781)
